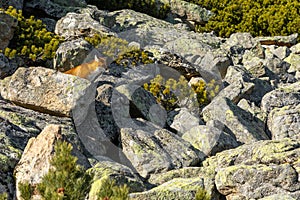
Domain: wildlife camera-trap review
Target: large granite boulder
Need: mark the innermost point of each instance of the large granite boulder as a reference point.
(45, 90)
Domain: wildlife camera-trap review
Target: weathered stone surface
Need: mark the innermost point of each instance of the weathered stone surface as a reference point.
(157, 152)
(242, 124)
(283, 96)
(279, 40)
(278, 197)
(147, 109)
(55, 9)
(189, 11)
(241, 40)
(285, 122)
(38, 153)
(294, 61)
(17, 126)
(79, 25)
(65, 58)
(257, 181)
(182, 120)
(178, 188)
(271, 168)
(18, 4)
(44, 90)
(281, 52)
(120, 173)
(7, 23)
(209, 140)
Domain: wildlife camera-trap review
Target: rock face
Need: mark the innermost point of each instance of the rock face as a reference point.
(242, 144)
(7, 23)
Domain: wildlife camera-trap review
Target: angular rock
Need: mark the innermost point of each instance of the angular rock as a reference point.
(18, 4)
(242, 124)
(182, 120)
(283, 96)
(178, 188)
(279, 40)
(45, 90)
(241, 40)
(157, 152)
(209, 140)
(295, 49)
(55, 9)
(38, 153)
(278, 197)
(257, 181)
(281, 52)
(294, 61)
(284, 122)
(74, 25)
(66, 59)
(120, 173)
(9, 24)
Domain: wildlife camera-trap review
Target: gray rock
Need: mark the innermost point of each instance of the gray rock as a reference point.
(243, 125)
(120, 173)
(55, 9)
(278, 197)
(178, 188)
(79, 25)
(189, 11)
(45, 90)
(257, 181)
(281, 52)
(295, 48)
(9, 24)
(157, 152)
(209, 140)
(294, 61)
(182, 120)
(284, 122)
(283, 96)
(66, 59)
(241, 40)
(18, 4)
(278, 40)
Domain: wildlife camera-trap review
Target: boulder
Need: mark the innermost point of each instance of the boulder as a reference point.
(75, 25)
(66, 59)
(45, 90)
(182, 120)
(9, 24)
(157, 152)
(177, 188)
(288, 41)
(283, 96)
(209, 140)
(284, 122)
(241, 123)
(54, 9)
(120, 173)
(18, 4)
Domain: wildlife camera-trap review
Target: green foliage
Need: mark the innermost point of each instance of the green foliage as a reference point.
(201, 194)
(118, 48)
(66, 180)
(26, 190)
(31, 39)
(109, 190)
(259, 17)
(3, 196)
(150, 7)
(169, 93)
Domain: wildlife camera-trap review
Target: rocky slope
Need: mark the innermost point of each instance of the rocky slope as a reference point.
(245, 144)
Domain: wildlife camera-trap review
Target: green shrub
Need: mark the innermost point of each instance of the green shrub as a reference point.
(169, 93)
(201, 194)
(150, 7)
(66, 180)
(259, 17)
(110, 191)
(31, 38)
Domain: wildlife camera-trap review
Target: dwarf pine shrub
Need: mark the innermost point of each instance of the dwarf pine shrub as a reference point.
(31, 39)
(259, 17)
(110, 191)
(169, 92)
(3, 196)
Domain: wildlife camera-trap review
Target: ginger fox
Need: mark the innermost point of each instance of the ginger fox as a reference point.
(86, 70)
